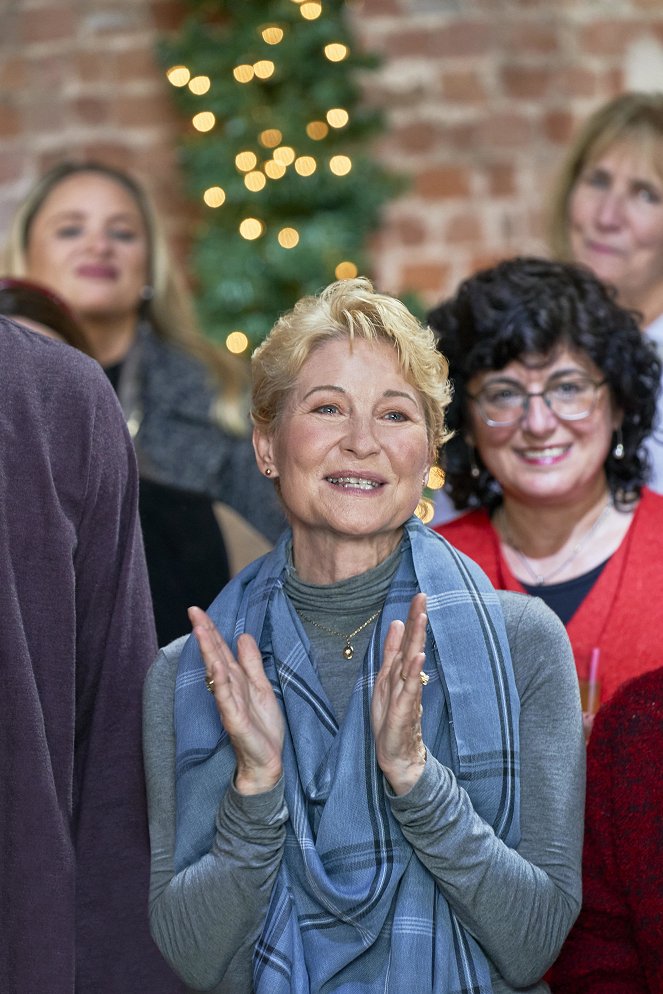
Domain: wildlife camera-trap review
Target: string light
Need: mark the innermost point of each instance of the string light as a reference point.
(204, 121)
(272, 34)
(285, 155)
(214, 196)
(246, 161)
(346, 270)
(270, 138)
(425, 510)
(288, 238)
(436, 478)
(340, 165)
(255, 181)
(199, 85)
(264, 69)
(306, 165)
(317, 130)
(243, 73)
(273, 169)
(336, 52)
(310, 11)
(251, 228)
(178, 75)
(237, 342)
(337, 117)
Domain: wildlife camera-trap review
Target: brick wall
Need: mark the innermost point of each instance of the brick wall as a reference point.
(481, 97)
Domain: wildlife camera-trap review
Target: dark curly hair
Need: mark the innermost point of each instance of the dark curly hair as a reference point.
(531, 307)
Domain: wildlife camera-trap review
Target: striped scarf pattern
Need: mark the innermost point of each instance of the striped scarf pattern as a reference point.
(353, 909)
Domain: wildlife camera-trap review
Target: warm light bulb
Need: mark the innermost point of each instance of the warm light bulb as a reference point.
(346, 270)
(310, 11)
(336, 52)
(272, 34)
(243, 73)
(204, 121)
(317, 130)
(337, 117)
(306, 165)
(425, 510)
(270, 137)
(288, 237)
(199, 85)
(264, 69)
(251, 228)
(246, 161)
(285, 155)
(214, 196)
(340, 165)
(436, 478)
(255, 181)
(273, 169)
(237, 342)
(178, 75)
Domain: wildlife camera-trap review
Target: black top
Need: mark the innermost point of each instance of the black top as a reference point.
(565, 598)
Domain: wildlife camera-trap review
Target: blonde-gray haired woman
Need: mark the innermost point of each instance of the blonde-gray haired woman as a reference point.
(607, 213)
(89, 232)
(363, 749)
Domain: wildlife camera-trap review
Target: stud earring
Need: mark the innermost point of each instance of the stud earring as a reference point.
(268, 471)
(619, 451)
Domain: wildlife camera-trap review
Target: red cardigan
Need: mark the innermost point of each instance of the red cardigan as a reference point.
(616, 945)
(623, 612)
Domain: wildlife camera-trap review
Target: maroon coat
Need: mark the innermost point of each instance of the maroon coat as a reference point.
(76, 637)
(616, 945)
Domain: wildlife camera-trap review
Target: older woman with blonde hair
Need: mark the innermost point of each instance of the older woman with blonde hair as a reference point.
(362, 748)
(89, 232)
(607, 213)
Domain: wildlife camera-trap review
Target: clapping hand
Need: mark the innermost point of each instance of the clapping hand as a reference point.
(396, 705)
(248, 707)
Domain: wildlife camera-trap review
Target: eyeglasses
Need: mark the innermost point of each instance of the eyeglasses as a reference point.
(503, 402)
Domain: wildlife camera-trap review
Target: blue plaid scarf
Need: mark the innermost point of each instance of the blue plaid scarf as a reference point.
(353, 909)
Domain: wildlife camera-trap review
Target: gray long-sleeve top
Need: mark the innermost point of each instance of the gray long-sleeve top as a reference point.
(519, 903)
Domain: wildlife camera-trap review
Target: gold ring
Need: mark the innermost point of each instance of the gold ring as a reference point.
(209, 683)
(424, 677)
(403, 677)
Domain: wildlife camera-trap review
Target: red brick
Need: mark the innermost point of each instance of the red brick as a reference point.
(463, 228)
(542, 39)
(505, 129)
(501, 179)
(142, 109)
(48, 24)
(558, 126)
(462, 86)
(442, 182)
(10, 120)
(424, 276)
(607, 37)
(527, 82)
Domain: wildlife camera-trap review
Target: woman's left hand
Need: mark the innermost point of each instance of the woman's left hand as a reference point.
(396, 703)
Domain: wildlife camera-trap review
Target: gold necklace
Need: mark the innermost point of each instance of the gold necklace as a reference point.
(349, 649)
(540, 579)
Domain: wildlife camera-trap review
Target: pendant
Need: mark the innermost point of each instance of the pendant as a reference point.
(349, 651)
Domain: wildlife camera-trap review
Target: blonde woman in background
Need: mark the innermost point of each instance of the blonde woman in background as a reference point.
(607, 213)
(89, 232)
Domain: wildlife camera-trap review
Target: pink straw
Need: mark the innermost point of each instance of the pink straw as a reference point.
(592, 683)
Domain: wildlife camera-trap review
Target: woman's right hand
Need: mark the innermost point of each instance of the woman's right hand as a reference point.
(248, 707)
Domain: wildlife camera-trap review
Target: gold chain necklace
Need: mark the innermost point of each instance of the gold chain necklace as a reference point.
(349, 649)
(540, 579)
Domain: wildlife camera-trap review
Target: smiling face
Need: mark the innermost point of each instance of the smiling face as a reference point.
(88, 243)
(543, 460)
(351, 451)
(616, 226)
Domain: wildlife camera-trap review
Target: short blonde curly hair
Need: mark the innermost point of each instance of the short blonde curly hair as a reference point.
(349, 309)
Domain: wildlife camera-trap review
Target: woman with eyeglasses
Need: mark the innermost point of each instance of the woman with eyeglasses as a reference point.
(555, 391)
